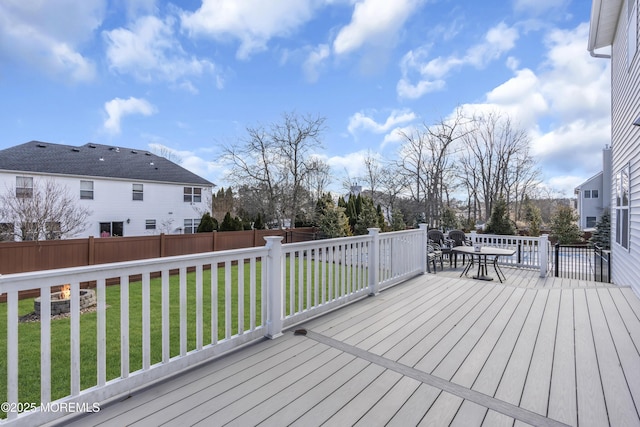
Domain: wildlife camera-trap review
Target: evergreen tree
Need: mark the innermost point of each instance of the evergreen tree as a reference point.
(448, 219)
(351, 212)
(341, 202)
(368, 217)
(397, 220)
(564, 226)
(602, 235)
(334, 222)
(500, 223)
(231, 224)
(207, 223)
(259, 222)
(382, 224)
(533, 216)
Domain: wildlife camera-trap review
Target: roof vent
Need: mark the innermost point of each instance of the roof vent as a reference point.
(92, 145)
(134, 151)
(41, 145)
(102, 159)
(77, 150)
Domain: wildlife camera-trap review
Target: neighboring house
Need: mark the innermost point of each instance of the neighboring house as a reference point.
(129, 192)
(614, 25)
(593, 196)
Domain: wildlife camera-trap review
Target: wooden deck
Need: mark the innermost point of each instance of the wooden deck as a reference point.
(437, 350)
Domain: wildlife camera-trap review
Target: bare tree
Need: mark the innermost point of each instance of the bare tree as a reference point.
(496, 162)
(166, 152)
(318, 178)
(374, 175)
(46, 211)
(426, 161)
(278, 161)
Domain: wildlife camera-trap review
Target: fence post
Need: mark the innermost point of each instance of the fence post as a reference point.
(274, 286)
(372, 260)
(92, 251)
(474, 234)
(543, 243)
(423, 250)
(556, 259)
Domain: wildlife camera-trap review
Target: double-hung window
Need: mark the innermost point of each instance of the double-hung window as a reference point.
(192, 194)
(24, 187)
(622, 207)
(191, 225)
(86, 190)
(138, 192)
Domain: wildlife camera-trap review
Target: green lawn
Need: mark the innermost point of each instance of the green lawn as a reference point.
(29, 333)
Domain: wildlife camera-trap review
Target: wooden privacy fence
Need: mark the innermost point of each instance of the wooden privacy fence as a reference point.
(20, 257)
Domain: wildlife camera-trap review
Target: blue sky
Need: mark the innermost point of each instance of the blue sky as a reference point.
(192, 75)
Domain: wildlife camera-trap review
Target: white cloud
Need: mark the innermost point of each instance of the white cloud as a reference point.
(118, 108)
(192, 161)
(564, 106)
(315, 61)
(362, 121)
(431, 74)
(49, 35)
(252, 22)
(150, 51)
(373, 22)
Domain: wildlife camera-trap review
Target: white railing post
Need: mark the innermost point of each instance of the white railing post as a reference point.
(543, 243)
(372, 261)
(423, 250)
(274, 286)
(474, 234)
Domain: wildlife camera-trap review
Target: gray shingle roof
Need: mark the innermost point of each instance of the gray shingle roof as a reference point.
(95, 160)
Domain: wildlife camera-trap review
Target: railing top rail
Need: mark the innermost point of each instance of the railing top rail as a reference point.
(326, 242)
(33, 279)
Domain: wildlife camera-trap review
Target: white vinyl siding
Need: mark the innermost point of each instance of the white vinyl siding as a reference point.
(625, 139)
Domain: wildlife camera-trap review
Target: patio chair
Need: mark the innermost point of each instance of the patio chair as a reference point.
(437, 237)
(458, 238)
(434, 255)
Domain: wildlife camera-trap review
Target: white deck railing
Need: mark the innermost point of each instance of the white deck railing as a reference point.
(530, 252)
(207, 304)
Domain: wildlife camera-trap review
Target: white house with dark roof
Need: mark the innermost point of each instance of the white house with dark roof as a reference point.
(614, 35)
(129, 192)
(594, 195)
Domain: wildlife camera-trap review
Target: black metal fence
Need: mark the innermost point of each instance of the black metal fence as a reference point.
(582, 262)
(602, 264)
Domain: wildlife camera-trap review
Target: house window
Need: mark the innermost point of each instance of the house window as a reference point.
(137, 192)
(6, 231)
(24, 187)
(192, 194)
(591, 221)
(150, 224)
(53, 231)
(29, 231)
(191, 225)
(594, 194)
(86, 190)
(108, 229)
(587, 194)
(622, 207)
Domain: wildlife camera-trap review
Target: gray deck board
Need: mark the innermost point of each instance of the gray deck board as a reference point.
(562, 394)
(565, 349)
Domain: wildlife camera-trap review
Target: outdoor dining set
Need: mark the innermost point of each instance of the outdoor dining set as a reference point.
(441, 248)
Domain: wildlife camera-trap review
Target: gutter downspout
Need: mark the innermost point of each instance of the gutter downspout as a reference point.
(599, 55)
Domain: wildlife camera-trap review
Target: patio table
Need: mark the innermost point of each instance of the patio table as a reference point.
(481, 255)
